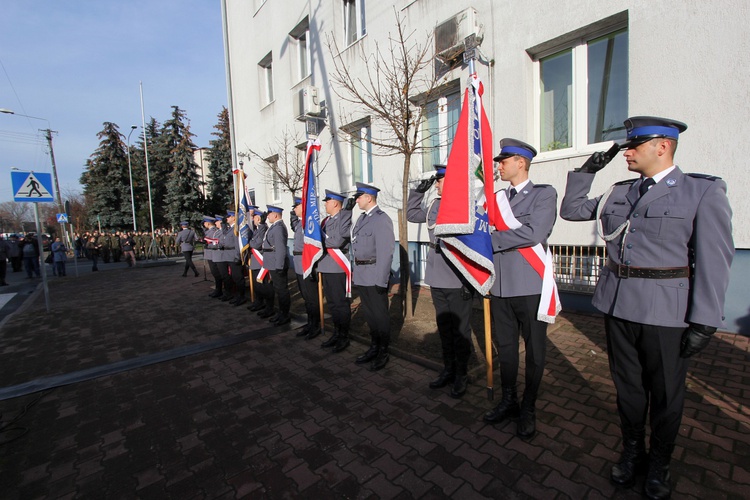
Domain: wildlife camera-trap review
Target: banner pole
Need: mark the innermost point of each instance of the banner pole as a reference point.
(488, 348)
(320, 301)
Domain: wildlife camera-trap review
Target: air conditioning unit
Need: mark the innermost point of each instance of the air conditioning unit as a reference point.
(450, 34)
(306, 103)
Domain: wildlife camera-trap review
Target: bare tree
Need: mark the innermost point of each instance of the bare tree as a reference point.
(13, 215)
(397, 80)
(283, 161)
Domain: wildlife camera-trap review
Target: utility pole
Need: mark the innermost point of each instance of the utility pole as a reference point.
(60, 207)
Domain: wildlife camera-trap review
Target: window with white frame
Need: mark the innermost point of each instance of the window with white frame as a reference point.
(265, 69)
(359, 151)
(354, 20)
(583, 91)
(439, 127)
(272, 163)
(300, 36)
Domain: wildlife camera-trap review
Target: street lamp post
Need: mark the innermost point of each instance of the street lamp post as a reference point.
(130, 171)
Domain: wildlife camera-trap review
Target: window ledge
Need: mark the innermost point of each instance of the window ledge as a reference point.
(267, 105)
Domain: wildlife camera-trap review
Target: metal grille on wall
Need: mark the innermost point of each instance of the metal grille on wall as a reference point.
(577, 268)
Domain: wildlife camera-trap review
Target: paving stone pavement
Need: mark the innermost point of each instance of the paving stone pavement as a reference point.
(275, 416)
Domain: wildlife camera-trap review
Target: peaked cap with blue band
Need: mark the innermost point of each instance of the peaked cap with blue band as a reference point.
(272, 208)
(230, 213)
(220, 218)
(184, 223)
(208, 218)
(363, 188)
(439, 170)
(512, 147)
(644, 128)
(333, 195)
(297, 201)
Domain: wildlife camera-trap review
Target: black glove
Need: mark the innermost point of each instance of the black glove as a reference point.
(382, 290)
(467, 293)
(695, 339)
(599, 160)
(424, 185)
(350, 202)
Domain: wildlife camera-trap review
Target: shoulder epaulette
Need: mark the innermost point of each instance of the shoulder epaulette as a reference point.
(625, 182)
(541, 185)
(704, 176)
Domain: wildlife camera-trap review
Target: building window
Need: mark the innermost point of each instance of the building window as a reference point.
(265, 67)
(359, 151)
(584, 92)
(439, 128)
(300, 36)
(276, 186)
(354, 20)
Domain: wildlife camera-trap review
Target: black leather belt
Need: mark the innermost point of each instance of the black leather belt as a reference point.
(296, 253)
(364, 262)
(653, 273)
(229, 248)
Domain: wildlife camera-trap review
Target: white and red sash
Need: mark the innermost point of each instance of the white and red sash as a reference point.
(262, 272)
(537, 257)
(340, 258)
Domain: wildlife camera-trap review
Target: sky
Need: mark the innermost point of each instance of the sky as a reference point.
(78, 64)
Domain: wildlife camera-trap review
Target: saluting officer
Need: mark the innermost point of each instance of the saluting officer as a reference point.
(669, 248)
(211, 246)
(308, 287)
(276, 260)
(372, 246)
(451, 295)
(334, 267)
(236, 269)
(263, 302)
(516, 292)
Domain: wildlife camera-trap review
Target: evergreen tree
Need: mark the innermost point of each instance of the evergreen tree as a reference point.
(105, 180)
(184, 200)
(220, 186)
(160, 168)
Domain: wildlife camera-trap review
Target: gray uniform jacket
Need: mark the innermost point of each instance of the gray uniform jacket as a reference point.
(683, 214)
(228, 246)
(208, 250)
(336, 233)
(439, 272)
(299, 242)
(373, 241)
(535, 207)
(274, 247)
(186, 239)
(256, 242)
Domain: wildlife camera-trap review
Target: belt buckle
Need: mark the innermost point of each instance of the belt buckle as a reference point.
(626, 274)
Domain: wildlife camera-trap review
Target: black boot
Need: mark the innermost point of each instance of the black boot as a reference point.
(447, 376)
(459, 386)
(507, 408)
(369, 355)
(343, 341)
(527, 418)
(633, 459)
(314, 331)
(332, 339)
(305, 330)
(658, 485)
(380, 360)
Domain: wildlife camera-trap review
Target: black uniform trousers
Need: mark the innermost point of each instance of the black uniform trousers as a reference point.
(334, 288)
(512, 316)
(280, 285)
(226, 278)
(263, 291)
(378, 319)
(647, 370)
(237, 274)
(189, 262)
(453, 318)
(308, 287)
(218, 283)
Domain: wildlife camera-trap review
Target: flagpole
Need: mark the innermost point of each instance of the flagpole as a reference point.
(488, 348)
(320, 301)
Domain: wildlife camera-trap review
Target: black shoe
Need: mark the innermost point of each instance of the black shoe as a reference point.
(283, 320)
(196, 275)
(304, 331)
(274, 318)
(256, 306)
(658, 485)
(446, 377)
(239, 301)
(341, 344)
(184, 275)
(380, 360)
(226, 298)
(526, 423)
(633, 459)
(459, 386)
(266, 313)
(215, 295)
(368, 356)
(331, 341)
(507, 408)
(314, 332)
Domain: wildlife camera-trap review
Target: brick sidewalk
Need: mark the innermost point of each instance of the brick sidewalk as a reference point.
(278, 417)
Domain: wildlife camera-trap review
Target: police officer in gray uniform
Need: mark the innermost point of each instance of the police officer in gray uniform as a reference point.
(372, 247)
(186, 239)
(450, 294)
(670, 248)
(210, 245)
(308, 287)
(516, 292)
(223, 257)
(336, 229)
(263, 303)
(276, 260)
(236, 269)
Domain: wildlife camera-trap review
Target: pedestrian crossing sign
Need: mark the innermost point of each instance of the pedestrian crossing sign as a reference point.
(62, 218)
(31, 186)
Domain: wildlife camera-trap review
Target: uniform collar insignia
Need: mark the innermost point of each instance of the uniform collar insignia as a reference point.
(670, 182)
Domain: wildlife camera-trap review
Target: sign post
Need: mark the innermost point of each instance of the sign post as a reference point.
(32, 187)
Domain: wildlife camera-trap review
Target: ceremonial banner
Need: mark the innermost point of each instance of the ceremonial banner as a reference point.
(313, 247)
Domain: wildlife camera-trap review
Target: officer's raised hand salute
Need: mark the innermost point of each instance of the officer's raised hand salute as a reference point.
(669, 246)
